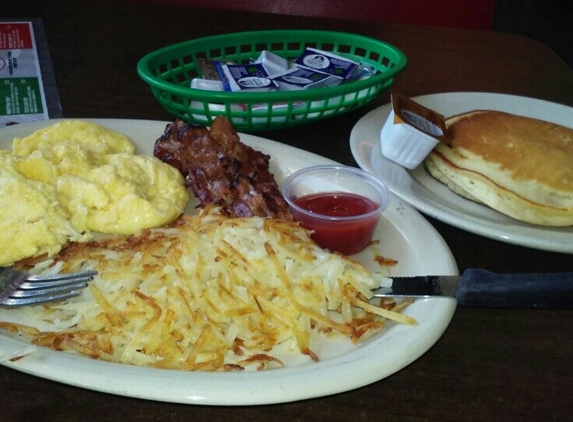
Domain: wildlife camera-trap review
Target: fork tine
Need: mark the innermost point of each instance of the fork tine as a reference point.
(37, 292)
(88, 275)
(36, 300)
(19, 288)
(35, 283)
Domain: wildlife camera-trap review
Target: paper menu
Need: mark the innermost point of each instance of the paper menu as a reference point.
(27, 86)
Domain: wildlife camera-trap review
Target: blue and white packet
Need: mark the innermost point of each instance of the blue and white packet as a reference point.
(325, 62)
(251, 77)
(300, 78)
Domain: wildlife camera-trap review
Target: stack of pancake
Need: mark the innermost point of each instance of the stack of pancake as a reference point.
(519, 166)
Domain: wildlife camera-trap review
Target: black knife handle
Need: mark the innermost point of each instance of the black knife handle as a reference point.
(481, 288)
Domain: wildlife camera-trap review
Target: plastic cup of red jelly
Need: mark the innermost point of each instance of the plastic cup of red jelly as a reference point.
(340, 205)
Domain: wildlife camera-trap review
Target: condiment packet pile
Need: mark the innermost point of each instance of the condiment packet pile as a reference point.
(269, 72)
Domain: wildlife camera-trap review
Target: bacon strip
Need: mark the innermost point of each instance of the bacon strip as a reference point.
(221, 170)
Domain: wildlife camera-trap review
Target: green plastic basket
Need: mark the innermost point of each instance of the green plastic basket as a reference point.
(169, 72)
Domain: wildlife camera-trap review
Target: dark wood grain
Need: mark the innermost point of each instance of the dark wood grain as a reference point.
(489, 364)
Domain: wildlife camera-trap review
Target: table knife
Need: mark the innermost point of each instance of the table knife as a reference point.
(482, 288)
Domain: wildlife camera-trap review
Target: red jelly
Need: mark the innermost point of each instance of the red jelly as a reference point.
(342, 222)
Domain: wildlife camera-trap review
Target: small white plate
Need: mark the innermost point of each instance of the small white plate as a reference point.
(404, 234)
(429, 196)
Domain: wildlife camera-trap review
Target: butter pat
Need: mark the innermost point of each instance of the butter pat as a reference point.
(326, 62)
(299, 78)
(249, 77)
(207, 84)
(273, 64)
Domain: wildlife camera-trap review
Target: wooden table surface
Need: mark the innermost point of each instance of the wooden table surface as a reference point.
(490, 364)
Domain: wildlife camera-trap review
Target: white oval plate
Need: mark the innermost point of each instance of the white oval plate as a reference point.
(405, 235)
(429, 196)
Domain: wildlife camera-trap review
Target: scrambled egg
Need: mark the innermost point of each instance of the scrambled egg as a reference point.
(73, 178)
(31, 222)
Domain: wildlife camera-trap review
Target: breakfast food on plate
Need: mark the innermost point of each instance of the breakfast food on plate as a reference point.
(73, 178)
(222, 170)
(519, 166)
(209, 292)
(213, 291)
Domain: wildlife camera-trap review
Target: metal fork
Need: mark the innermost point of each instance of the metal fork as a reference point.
(18, 288)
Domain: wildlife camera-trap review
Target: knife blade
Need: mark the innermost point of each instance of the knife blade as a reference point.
(482, 288)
